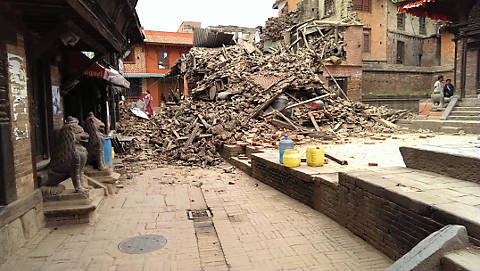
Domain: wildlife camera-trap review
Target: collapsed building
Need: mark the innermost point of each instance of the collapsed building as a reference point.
(253, 94)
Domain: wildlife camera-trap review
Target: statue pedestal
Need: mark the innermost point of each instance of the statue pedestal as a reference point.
(70, 207)
(107, 177)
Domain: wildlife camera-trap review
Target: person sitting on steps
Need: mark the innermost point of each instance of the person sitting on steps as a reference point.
(449, 89)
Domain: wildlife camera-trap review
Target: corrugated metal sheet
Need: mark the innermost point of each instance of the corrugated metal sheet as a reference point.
(211, 38)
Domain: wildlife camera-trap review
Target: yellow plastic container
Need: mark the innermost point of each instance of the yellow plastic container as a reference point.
(315, 156)
(291, 158)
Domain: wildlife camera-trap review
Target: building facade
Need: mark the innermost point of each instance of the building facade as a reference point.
(395, 45)
(285, 6)
(148, 63)
(36, 39)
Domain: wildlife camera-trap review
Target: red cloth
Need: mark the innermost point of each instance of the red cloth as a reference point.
(421, 8)
(150, 110)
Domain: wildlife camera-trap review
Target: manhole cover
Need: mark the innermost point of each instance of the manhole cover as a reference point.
(142, 244)
(193, 214)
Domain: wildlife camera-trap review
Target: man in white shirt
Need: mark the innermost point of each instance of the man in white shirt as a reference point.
(439, 86)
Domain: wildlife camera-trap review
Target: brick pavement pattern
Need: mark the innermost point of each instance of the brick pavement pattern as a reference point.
(256, 227)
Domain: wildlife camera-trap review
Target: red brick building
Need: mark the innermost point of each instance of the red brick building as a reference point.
(148, 63)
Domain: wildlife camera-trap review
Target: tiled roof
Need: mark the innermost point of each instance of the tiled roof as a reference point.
(161, 37)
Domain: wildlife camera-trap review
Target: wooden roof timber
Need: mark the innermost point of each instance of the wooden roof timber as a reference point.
(456, 10)
(96, 27)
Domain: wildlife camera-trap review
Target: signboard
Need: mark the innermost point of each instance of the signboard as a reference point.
(57, 109)
(17, 80)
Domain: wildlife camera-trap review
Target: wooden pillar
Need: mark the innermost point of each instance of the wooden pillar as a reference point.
(463, 71)
(455, 64)
(8, 190)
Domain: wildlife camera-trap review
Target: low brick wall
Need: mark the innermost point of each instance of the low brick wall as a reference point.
(391, 221)
(399, 102)
(370, 214)
(296, 184)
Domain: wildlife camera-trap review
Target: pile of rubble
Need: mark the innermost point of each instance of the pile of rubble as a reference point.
(275, 26)
(240, 95)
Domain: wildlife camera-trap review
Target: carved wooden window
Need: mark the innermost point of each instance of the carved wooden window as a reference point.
(366, 40)
(162, 60)
(362, 5)
(400, 52)
(401, 21)
(422, 27)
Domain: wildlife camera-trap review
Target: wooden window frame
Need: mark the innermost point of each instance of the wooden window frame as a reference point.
(422, 26)
(163, 61)
(362, 5)
(131, 55)
(401, 21)
(400, 58)
(367, 32)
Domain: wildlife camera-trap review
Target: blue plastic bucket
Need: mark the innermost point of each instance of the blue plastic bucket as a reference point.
(107, 151)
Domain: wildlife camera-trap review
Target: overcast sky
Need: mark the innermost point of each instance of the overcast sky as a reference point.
(168, 15)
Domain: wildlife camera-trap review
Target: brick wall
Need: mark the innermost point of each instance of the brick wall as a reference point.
(471, 70)
(391, 228)
(431, 52)
(151, 56)
(472, 73)
(390, 221)
(137, 66)
(21, 130)
(395, 79)
(351, 68)
(288, 181)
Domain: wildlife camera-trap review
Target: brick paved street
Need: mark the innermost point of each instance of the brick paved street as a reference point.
(254, 228)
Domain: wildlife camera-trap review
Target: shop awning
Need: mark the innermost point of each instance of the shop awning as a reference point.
(424, 8)
(143, 75)
(108, 74)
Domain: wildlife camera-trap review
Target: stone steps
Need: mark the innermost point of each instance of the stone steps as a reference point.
(467, 259)
(465, 118)
(466, 108)
(465, 113)
(470, 102)
(72, 208)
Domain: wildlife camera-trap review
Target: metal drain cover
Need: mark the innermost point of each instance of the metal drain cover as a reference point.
(201, 213)
(142, 244)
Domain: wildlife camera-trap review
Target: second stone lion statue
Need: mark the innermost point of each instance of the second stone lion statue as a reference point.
(95, 129)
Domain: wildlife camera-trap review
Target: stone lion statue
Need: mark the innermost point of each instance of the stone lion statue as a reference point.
(95, 129)
(68, 159)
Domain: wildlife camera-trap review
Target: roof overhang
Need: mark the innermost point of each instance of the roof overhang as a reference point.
(456, 11)
(424, 8)
(100, 26)
(143, 75)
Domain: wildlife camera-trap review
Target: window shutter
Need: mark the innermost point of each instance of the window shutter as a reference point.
(357, 4)
(366, 5)
(366, 41)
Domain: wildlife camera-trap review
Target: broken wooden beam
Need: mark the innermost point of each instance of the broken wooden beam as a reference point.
(192, 135)
(338, 160)
(315, 124)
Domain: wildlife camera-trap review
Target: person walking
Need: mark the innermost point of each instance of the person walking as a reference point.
(148, 103)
